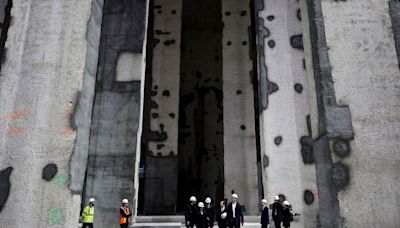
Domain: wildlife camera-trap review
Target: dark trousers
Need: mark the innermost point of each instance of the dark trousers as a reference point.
(264, 226)
(124, 225)
(277, 224)
(235, 223)
(90, 225)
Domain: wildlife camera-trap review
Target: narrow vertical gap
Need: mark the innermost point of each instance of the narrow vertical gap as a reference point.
(257, 110)
(148, 81)
(4, 30)
(200, 144)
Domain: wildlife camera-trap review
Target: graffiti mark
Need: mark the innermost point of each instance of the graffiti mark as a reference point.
(12, 131)
(4, 186)
(54, 215)
(15, 115)
(60, 180)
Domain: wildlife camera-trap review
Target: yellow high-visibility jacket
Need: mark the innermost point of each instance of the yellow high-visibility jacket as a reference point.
(88, 215)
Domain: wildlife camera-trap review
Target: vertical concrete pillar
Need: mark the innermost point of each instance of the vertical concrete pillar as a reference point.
(117, 110)
(160, 138)
(240, 170)
(285, 122)
(47, 65)
(359, 73)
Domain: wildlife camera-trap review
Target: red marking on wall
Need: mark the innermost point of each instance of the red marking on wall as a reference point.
(68, 132)
(15, 115)
(13, 131)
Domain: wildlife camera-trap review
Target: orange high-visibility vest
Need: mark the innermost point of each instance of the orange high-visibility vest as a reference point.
(122, 219)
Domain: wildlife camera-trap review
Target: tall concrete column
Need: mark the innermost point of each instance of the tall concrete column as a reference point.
(240, 169)
(355, 117)
(160, 137)
(116, 115)
(50, 47)
(285, 123)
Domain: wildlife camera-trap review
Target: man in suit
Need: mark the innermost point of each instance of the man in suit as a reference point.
(222, 215)
(191, 213)
(264, 214)
(277, 212)
(235, 213)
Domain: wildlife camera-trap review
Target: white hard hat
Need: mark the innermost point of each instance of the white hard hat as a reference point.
(286, 203)
(193, 199)
(264, 201)
(224, 215)
(201, 204)
(276, 197)
(208, 200)
(234, 195)
(125, 201)
(91, 200)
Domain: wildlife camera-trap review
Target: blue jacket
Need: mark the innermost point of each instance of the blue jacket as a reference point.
(265, 216)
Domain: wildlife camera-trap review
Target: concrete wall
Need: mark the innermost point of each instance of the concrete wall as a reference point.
(47, 64)
(112, 162)
(285, 123)
(240, 170)
(366, 75)
(161, 113)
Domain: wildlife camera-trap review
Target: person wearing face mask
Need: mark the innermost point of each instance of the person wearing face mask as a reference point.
(221, 215)
(210, 212)
(201, 220)
(190, 212)
(287, 215)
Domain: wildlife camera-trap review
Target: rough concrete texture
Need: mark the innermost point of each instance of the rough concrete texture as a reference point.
(42, 74)
(115, 121)
(284, 122)
(365, 71)
(240, 171)
(162, 107)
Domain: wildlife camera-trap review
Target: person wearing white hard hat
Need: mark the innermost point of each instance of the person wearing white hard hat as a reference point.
(88, 214)
(235, 212)
(201, 218)
(210, 212)
(125, 214)
(264, 214)
(287, 215)
(277, 212)
(190, 212)
(221, 215)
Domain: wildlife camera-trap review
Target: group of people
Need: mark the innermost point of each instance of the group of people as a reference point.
(203, 215)
(281, 214)
(125, 214)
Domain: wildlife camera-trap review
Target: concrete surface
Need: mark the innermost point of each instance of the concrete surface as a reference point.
(365, 71)
(43, 73)
(240, 155)
(288, 164)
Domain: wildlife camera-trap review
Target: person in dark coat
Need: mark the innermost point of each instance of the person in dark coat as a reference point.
(277, 212)
(191, 212)
(235, 213)
(210, 212)
(221, 215)
(264, 214)
(287, 215)
(201, 220)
